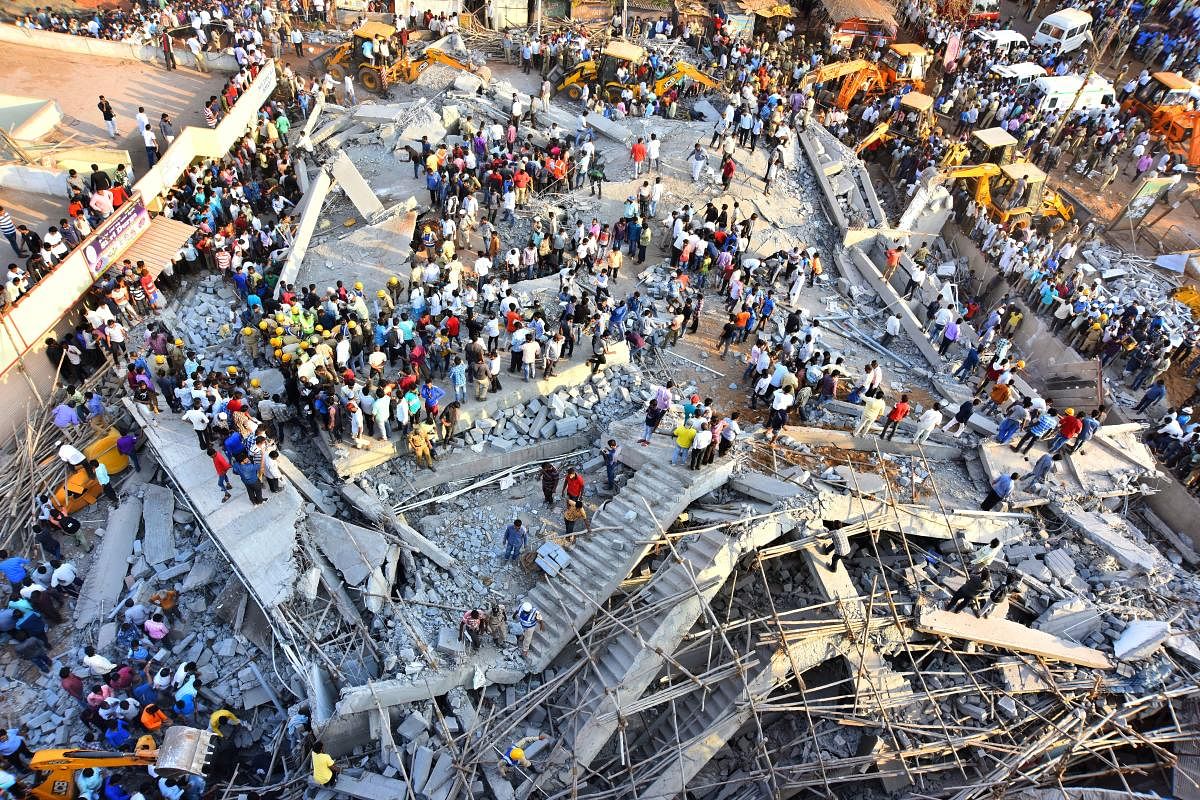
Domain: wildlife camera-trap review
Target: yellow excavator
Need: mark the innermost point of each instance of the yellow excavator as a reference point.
(900, 64)
(184, 751)
(347, 59)
(913, 121)
(604, 70)
(1013, 194)
(990, 145)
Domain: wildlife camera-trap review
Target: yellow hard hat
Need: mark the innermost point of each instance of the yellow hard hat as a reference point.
(358, 285)
(327, 334)
(1095, 326)
(304, 345)
(255, 382)
(279, 317)
(276, 341)
(160, 359)
(516, 754)
(352, 324)
(262, 325)
(381, 293)
(246, 331)
(1070, 412)
(392, 281)
(179, 342)
(232, 370)
(286, 357)
(320, 328)
(279, 331)
(1020, 365)
(1104, 317)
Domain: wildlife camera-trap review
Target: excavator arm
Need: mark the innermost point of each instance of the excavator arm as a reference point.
(184, 750)
(831, 72)
(684, 68)
(880, 133)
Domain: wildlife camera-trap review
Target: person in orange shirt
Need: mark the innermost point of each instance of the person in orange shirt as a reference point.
(638, 154)
(153, 717)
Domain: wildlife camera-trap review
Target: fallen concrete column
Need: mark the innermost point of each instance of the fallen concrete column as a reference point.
(892, 300)
(309, 212)
(1006, 635)
(351, 181)
(374, 509)
(105, 580)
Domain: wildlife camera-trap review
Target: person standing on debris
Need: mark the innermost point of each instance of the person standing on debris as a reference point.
(515, 757)
(929, 420)
(839, 544)
(958, 423)
(573, 514)
(549, 477)
(966, 594)
(1000, 489)
(871, 410)
(637, 154)
(530, 620)
(101, 476)
(573, 485)
(697, 161)
(895, 416)
(470, 628)
(700, 444)
(1047, 463)
(419, 445)
(251, 475)
(610, 453)
(514, 540)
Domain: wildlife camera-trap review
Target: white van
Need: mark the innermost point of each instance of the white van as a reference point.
(1064, 30)
(1002, 41)
(1021, 75)
(1057, 92)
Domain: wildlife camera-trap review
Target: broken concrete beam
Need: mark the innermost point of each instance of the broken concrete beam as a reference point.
(106, 579)
(374, 509)
(1105, 531)
(422, 764)
(846, 441)
(371, 786)
(158, 539)
(1008, 635)
(1073, 618)
(891, 298)
(765, 488)
(353, 550)
(355, 185)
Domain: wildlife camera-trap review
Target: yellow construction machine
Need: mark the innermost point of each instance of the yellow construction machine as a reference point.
(914, 121)
(988, 146)
(184, 751)
(604, 70)
(900, 64)
(1013, 194)
(348, 58)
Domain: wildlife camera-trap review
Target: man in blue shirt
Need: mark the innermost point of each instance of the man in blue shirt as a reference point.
(1043, 425)
(1091, 424)
(514, 540)
(14, 568)
(251, 476)
(1001, 488)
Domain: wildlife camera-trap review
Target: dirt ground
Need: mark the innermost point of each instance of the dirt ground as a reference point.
(76, 81)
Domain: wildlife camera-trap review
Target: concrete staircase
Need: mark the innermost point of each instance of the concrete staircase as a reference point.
(601, 560)
(626, 664)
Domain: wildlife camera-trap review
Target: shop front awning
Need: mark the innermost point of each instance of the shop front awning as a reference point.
(159, 244)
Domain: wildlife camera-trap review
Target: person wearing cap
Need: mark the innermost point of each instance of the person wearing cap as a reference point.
(530, 620)
(515, 755)
(1069, 426)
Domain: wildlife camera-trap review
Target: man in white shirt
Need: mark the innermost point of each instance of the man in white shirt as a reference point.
(930, 418)
(151, 143)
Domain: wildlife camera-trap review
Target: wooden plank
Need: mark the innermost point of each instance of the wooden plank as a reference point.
(1008, 635)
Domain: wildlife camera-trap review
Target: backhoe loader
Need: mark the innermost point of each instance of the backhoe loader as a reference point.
(1012, 194)
(348, 59)
(912, 122)
(605, 70)
(184, 751)
(900, 64)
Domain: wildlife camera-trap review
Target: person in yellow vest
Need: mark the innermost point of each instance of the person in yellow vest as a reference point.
(515, 756)
(219, 716)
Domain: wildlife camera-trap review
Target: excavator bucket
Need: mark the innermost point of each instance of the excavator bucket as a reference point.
(184, 750)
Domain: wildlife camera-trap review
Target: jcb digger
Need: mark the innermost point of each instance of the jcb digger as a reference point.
(900, 64)
(1013, 194)
(348, 58)
(184, 751)
(913, 121)
(606, 70)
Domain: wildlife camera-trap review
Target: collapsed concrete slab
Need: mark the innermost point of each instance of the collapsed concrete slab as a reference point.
(353, 550)
(158, 541)
(351, 181)
(105, 581)
(1007, 635)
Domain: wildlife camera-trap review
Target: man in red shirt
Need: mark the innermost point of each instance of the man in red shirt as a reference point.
(221, 465)
(1069, 426)
(893, 261)
(573, 485)
(638, 154)
(728, 168)
(898, 412)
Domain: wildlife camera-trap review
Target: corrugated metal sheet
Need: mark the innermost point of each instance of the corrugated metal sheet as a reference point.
(159, 244)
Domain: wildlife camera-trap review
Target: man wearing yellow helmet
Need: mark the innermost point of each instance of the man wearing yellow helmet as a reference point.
(515, 755)
(395, 290)
(251, 338)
